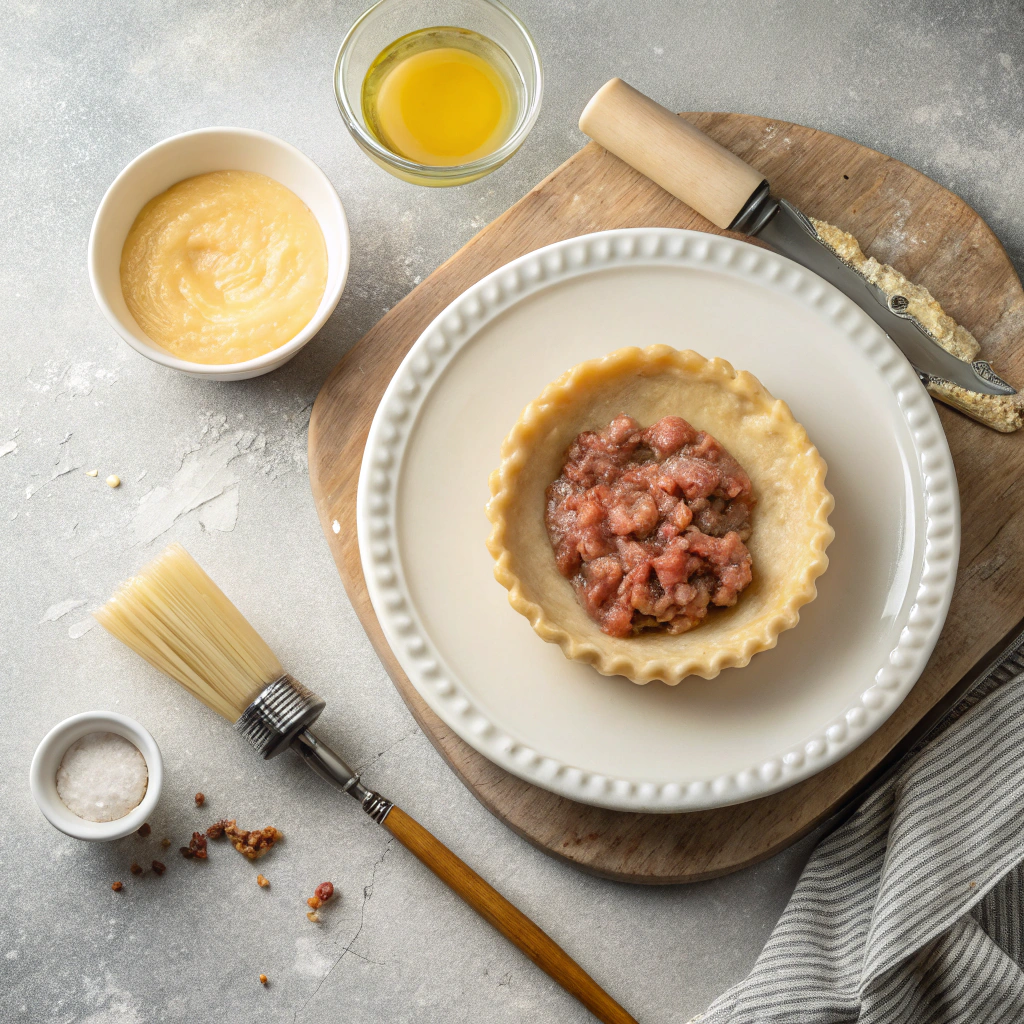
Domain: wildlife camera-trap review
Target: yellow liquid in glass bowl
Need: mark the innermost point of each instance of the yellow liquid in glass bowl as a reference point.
(442, 96)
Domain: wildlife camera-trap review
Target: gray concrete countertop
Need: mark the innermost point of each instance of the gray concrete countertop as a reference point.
(84, 88)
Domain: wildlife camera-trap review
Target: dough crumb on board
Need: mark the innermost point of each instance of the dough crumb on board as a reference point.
(1004, 413)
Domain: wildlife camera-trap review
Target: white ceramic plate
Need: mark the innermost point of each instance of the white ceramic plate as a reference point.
(829, 683)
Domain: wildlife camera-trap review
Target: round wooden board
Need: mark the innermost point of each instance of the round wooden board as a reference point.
(902, 218)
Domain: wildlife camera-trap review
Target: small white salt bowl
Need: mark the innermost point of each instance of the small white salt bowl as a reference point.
(199, 152)
(47, 759)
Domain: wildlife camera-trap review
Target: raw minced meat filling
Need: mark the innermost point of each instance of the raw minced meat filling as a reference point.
(649, 525)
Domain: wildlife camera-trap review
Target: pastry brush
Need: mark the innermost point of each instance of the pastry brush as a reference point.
(177, 618)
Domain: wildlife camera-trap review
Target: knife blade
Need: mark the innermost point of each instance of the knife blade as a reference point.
(789, 232)
(734, 196)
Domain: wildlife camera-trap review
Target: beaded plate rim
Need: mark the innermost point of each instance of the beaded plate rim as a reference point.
(426, 361)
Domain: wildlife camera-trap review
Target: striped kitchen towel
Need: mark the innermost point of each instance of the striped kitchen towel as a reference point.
(913, 910)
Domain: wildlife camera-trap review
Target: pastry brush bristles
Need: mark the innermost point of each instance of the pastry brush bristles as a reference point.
(179, 620)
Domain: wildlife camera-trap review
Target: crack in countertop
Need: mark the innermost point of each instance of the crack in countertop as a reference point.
(367, 894)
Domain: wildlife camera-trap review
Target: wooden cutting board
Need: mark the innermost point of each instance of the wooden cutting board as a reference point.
(900, 216)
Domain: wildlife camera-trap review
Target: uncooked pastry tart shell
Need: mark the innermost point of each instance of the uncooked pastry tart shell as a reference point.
(789, 526)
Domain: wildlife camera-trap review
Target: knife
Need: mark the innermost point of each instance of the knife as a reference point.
(734, 196)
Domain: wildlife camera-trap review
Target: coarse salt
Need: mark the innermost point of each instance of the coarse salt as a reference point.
(102, 777)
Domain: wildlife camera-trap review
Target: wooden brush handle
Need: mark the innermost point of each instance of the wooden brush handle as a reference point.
(512, 923)
(670, 151)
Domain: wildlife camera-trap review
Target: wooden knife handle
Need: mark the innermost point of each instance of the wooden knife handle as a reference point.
(497, 911)
(670, 151)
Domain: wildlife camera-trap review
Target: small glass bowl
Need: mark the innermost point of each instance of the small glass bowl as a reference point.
(389, 20)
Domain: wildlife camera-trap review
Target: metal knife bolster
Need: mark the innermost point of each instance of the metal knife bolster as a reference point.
(782, 226)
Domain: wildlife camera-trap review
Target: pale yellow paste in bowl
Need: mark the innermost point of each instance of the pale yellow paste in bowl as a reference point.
(224, 267)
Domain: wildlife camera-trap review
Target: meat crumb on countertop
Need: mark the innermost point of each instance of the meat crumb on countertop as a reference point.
(323, 892)
(250, 844)
(195, 848)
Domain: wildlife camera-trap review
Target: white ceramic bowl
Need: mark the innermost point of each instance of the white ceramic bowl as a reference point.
(48, 755)
(199, 152)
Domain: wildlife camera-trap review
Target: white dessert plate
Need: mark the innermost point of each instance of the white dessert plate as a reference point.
(830, 682)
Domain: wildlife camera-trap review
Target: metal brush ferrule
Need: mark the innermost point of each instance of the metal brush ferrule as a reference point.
(279, 718)
(326, 763)
(375, 805)
(281, 711)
